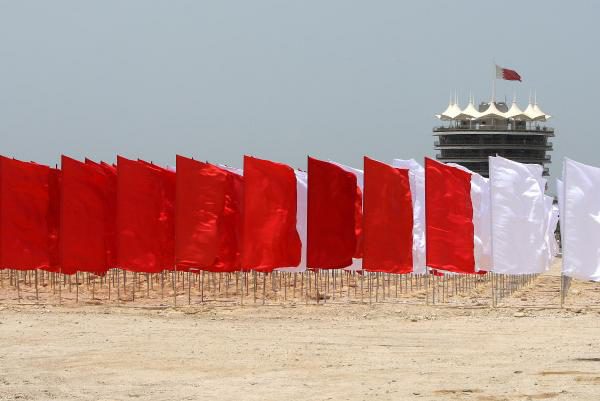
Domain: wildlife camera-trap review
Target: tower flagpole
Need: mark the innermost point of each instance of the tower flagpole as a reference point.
(493, 82)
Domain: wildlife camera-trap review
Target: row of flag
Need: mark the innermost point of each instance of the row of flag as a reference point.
(394, 218)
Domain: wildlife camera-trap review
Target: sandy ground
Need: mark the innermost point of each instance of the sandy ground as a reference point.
(526, 349)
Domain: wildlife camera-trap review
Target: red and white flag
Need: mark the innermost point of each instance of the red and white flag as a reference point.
(506, 74)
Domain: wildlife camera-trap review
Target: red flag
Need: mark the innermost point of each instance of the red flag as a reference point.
(388, 219)
(145, 216)
(270, 239)
(332, 209)
(54, 196)
(200, 195)
(449, 218)
(28, 215)
(86, 219)
(111, 204)
(506, 74)
(207, 217)
(358, 223)
(230, 226)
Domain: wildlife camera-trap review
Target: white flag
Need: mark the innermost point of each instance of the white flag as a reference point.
(519, 217)
(580, 228)
(560, 196)
(551, 222)
(416, 176)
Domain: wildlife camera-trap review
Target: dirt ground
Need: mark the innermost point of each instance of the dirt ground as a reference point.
(528, 348)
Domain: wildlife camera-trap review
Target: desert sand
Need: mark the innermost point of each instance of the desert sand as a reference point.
(527, 348)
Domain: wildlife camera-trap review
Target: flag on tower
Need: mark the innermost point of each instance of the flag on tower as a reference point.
(506, 74)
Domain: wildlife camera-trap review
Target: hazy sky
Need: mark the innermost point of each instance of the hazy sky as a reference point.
(283, 79)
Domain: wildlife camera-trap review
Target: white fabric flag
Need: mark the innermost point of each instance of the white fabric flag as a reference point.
(554, 219)
(550, 227)
(482, 224)
(301, 219)
(416, 176)
(519, 217)
(360, 181)
(580, 227)
(560, 196)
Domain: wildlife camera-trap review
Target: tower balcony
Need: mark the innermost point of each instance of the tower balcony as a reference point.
(462, 144)
(504, 130)
(468, 158)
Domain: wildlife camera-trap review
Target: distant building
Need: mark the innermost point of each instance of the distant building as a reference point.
(468, 136)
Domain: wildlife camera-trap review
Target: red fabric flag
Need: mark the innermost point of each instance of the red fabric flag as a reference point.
(86, 218)
(200, 195)
(358, 223)
(270, 239)
(388, 219)
(332, 214)
(506, 74)
(110, 172)
(28, 215)
(207, 217)
(145, 216)
(54, 196)
(449, 218)
(230, 226)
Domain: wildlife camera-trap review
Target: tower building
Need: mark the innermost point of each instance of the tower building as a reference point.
(468, 136)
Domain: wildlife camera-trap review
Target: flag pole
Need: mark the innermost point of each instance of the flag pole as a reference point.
(493, 82)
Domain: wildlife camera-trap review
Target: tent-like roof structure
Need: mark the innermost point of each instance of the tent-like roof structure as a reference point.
(453, 112)
(515, 112)
(492, 112)
(470, 112)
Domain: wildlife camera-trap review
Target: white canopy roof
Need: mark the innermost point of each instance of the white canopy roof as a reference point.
(492, 112)
(451, 112)
(515, 112)
(470, 112)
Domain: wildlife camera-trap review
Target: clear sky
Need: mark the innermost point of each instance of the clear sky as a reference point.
(283, 79)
